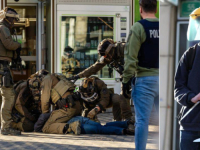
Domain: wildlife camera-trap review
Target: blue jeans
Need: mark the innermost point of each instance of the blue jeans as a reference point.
(90, 127)
(187, 138)
(145, 93)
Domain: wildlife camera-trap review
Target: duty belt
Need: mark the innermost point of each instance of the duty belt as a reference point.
(5, 66)
(4, 63)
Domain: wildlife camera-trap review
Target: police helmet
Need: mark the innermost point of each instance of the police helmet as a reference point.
(87, 90)
(7, 13)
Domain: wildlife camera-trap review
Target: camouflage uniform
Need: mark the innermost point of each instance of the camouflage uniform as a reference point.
(26, 109)
(118, 56)
(56, 88)
(106, 99)
(7, 46)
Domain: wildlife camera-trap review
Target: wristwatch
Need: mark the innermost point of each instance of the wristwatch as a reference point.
(96, 109)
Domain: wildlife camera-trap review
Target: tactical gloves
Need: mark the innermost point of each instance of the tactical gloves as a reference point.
(125, 90)
(126, 87)
(62, 103)
(93, 113)
(76, 77)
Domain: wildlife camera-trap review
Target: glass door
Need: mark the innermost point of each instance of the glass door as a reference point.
(79, 39)
(79, 30)
(26, 35)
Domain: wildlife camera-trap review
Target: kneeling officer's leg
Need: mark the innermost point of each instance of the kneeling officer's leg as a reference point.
(8, 99)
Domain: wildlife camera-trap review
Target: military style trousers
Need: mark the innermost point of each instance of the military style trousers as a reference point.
(8, 100)
(59, 118)
(24, 125)
(120, 107)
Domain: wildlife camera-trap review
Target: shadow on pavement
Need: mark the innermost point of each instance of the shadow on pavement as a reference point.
(117, 138)
(50, 146)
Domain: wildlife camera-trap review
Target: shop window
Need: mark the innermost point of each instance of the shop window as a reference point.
(79, 39)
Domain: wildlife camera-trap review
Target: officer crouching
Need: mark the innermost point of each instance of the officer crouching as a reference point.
(97, 97)
(27, 107)
(56, 89)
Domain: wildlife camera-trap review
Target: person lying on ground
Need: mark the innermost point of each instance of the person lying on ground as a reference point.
(82, 125)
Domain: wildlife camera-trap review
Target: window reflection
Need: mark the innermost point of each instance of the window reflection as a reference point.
(80, 37)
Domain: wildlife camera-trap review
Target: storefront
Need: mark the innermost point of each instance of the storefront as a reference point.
(81, 25)
(63, 35)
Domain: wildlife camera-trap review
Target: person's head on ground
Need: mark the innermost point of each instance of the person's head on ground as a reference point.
(148, 8)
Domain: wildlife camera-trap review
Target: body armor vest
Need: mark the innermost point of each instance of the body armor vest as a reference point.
(4, 52)
(61, 88)
(148, 55)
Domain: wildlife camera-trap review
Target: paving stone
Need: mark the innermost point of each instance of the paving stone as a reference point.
(41, 141)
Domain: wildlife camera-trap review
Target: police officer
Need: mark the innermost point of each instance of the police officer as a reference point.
(97, 97)
(60, 90)
(8, 47)
(111, 53)
(27, 107)
(69, 63)
(141, 57)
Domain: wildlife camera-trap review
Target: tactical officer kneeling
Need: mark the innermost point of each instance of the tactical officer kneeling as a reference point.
(57, 88)
(112, 54)
(27, 106)
(8, 48)
(97, 97)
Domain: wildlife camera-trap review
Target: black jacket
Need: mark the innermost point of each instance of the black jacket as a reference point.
(187, 86)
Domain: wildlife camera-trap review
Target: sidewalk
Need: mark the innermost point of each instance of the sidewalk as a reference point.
(40, 141)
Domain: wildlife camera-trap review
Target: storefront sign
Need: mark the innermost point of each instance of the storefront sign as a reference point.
(187, 7)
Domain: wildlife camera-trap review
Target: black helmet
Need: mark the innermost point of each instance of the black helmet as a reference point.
(34, 86)
(87, 90)
(9, 15)
(103, 45)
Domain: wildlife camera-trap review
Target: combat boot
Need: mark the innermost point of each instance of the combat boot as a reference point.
(75, 127)
(10, 131)
(129, 132)
(131, 124)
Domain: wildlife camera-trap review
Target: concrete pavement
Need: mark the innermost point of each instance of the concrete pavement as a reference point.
(40, 141)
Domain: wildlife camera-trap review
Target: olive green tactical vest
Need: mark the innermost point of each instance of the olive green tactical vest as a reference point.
(3, 51)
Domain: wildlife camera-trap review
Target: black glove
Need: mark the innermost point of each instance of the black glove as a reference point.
(125, 90)
(62, 103)
(126, 87)
(18, 50)
(76, 96)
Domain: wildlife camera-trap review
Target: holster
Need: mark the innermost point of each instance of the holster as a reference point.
(71, 101)
(6, 76)
(16, 116)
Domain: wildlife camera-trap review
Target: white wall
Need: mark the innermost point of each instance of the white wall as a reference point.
(167, 51)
